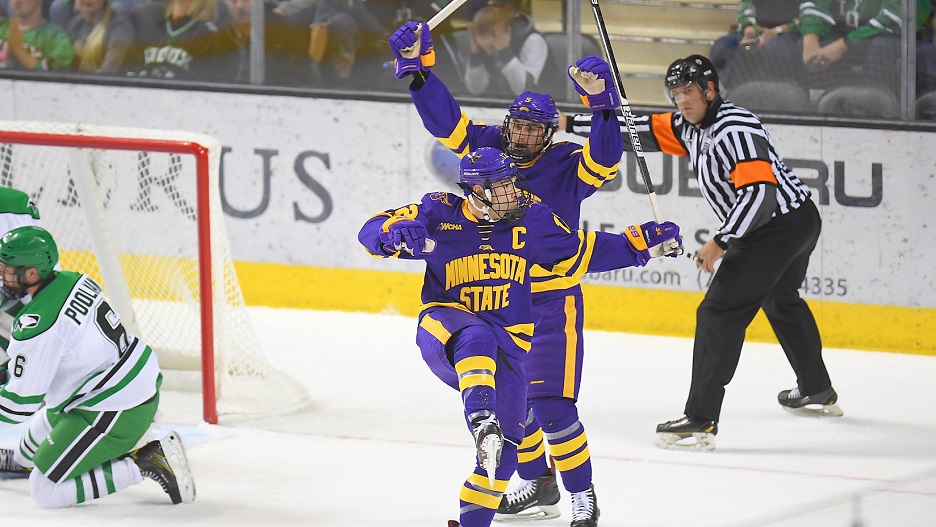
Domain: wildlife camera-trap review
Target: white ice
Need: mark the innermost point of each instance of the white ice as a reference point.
(384, 444)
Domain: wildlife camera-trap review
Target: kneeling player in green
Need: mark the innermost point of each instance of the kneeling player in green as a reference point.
(99, 385)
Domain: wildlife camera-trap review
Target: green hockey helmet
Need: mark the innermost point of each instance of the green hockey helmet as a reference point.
(29, 247)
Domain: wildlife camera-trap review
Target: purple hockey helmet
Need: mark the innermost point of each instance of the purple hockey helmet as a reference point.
(505, 192)
(531, 121)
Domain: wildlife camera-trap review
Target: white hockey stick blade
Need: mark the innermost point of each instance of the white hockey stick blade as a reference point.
(438, 18)
(699, 441)
(444, 13)
(175, 454)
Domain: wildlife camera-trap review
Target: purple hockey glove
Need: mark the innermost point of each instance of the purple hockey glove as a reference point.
(406, 235)
(412, 49)
(650, 240)
(592, 79)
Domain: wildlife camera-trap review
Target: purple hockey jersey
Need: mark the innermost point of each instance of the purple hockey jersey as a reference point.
(562, 177)
(484, 268)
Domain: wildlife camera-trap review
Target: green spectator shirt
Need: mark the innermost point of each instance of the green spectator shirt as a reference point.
(863, 19)
(46, 42)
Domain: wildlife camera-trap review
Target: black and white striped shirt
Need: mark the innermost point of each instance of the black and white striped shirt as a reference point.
(737, 167)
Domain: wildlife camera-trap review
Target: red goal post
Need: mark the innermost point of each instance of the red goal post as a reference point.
(140, 211)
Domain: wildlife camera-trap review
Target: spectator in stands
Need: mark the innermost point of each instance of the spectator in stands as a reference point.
(100, 36)
(765, 29)
(285, 45)
(857, 48)
(61, 11)
(340, 31)
(176, 40)
(760, 60)
(507, 55)
(29, 42)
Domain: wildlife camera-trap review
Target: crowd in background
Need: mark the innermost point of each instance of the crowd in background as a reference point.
(312, 43)
(825, 56)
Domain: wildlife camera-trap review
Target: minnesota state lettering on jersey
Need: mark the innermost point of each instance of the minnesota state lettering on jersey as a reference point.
(81, 300)
(477, 267)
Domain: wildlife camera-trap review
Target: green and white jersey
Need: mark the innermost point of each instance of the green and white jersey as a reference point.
(16, 210)
(69, 350)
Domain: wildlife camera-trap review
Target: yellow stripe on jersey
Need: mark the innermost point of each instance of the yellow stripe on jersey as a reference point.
(456, 141)
(476, 363)
(479, 498)
(593, 173)
(521, 335)
(475, 371)
(556, 284)
(531, 440)
(532, 447)
(567, 447)
(475, 379)
(571, 347)
(563, 465)
(456, 305)
(579, 262)
(435, 328)
(500, 485)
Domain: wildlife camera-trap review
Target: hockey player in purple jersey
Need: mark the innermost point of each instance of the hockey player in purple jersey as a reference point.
(476, 320)
(561, 175)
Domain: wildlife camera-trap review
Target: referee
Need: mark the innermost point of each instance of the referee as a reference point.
(769, 227)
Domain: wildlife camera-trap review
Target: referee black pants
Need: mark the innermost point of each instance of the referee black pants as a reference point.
(765, 270)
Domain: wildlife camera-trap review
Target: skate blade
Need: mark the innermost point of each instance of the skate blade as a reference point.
(540, 512)
(817, 410)
(491, 447)
(699, 441)
(14, 474)
(175, 454)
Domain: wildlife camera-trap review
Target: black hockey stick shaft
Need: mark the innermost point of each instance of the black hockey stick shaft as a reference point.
(626, 111)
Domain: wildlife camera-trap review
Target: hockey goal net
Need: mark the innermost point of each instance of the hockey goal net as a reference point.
(140, 211)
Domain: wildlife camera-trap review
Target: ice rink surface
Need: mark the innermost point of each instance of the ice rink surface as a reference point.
(383, 442)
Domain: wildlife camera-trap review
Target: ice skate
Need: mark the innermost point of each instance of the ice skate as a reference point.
(164, 461)
(533, 500)
(687, 433)
(585, 508)
(10, 469)
(489, 440)
(822, 404)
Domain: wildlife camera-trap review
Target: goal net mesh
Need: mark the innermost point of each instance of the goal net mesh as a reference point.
(129, 218)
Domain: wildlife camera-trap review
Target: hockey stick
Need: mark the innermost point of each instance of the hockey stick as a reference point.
(629, 121)
(444, 13)
(440, 17)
